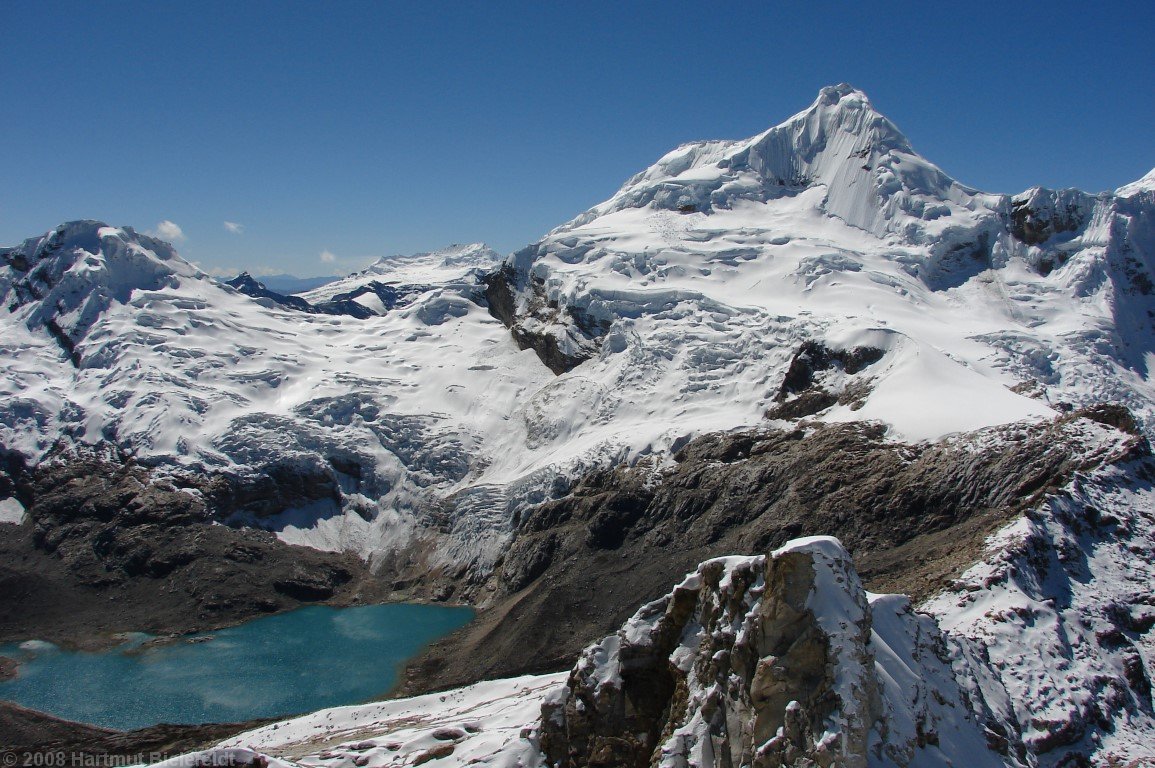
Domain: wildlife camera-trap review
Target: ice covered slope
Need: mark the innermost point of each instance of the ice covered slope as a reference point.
(334, 430)
(455, 264)
(684, 295)
(1145, 184)
(394, 281)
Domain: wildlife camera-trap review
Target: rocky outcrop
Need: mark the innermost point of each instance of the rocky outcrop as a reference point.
(345, 303)
(563, 340)
(805, 392)
(108, 547)
(250, 286)
(767, 661)
(1039, 214)
(1053, 625)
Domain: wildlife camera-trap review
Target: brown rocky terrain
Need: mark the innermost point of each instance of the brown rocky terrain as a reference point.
(914, 516)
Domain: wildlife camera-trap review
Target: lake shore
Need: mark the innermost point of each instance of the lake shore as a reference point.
(26, 732)
(277, 666)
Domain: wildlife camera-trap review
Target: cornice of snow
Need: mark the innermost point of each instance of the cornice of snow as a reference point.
(1145, 184)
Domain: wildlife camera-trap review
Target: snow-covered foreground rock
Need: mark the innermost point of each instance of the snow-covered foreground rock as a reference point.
(767, 661)
(1039, 656)
(1053, 628)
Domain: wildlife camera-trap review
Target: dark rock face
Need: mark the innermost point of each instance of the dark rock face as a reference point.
(1113, 415)
(802, 395)
(772, 486)
(1040, 214)
(499, 295)
(12, 468)
(344, 303)
(619, 725)
(67, 345)
(547, 348)
(109, 548)
(276, 489)
(812, 357)
(914, 516)
(246, 284)
(501, 298)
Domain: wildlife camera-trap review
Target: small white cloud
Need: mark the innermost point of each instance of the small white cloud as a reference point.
(235, 228)
(328, 257)
(168, 230)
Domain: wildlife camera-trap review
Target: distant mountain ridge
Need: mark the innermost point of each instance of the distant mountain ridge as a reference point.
(378, 298)
(290, 284)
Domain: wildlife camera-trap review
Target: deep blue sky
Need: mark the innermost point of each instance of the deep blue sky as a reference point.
(365, 129)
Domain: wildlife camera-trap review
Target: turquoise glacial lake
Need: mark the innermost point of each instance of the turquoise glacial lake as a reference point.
(274, 666)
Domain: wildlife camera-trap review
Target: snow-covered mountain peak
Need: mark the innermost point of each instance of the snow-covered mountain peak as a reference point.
(470, 255)
(65, 278)
(101, 242)
(244, 279)
(454, 265)
(829, 227)
(840, 109)
(1145, 184)
(871, 175)
(832, 95)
